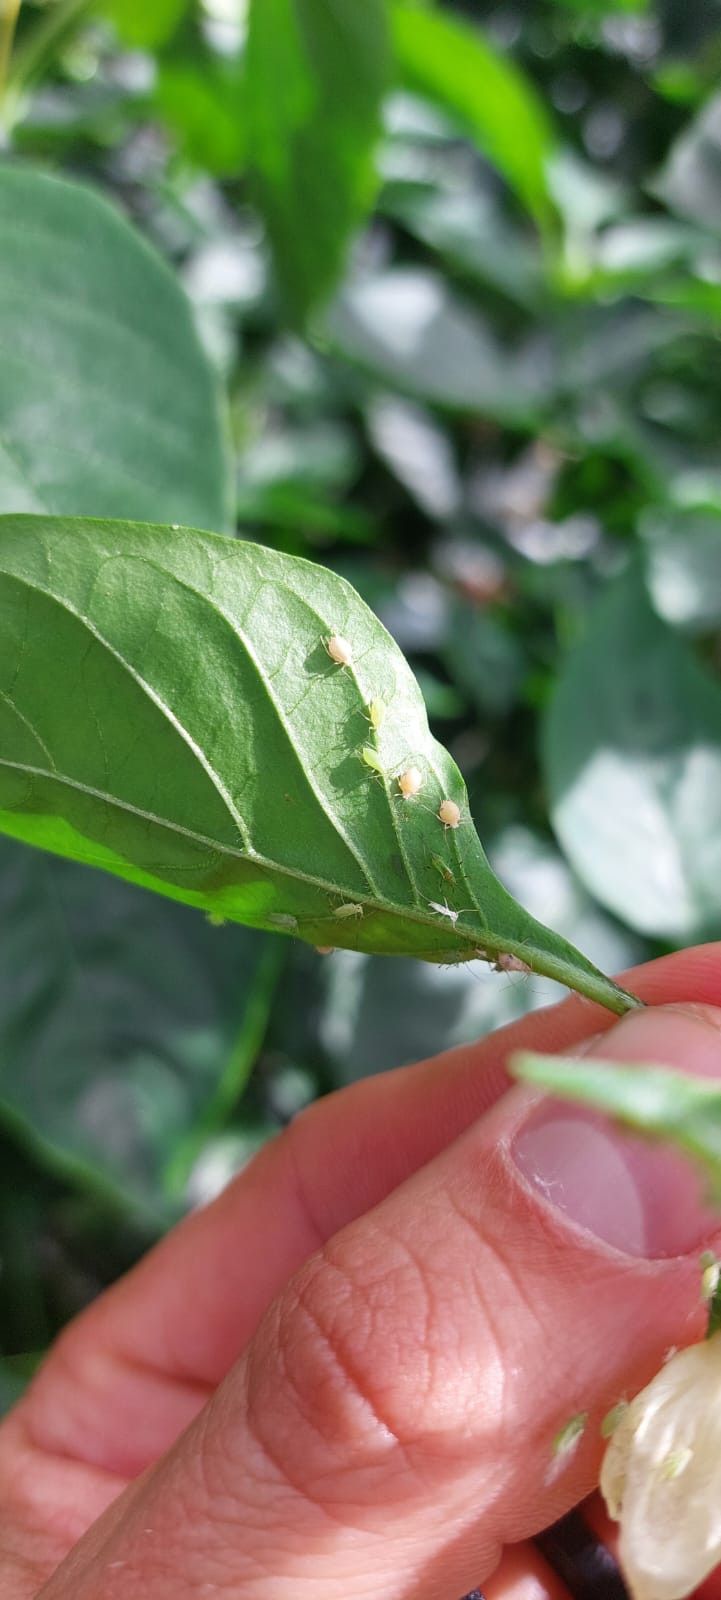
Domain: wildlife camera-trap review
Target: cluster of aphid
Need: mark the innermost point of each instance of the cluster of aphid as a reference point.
(410, 782)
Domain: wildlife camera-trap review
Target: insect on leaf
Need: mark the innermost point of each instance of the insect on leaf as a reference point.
(169, 711)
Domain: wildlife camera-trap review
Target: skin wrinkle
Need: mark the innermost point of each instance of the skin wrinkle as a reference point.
(549, 1231)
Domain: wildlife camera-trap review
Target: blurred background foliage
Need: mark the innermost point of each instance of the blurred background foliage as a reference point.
(459, 268)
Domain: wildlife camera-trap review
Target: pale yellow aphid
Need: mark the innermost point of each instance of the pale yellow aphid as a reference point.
(444, 869)
(283, 919)
(348, 910)
(215, 919)
(449, 814)
(324, 949)
(376, 711)
(372, 759)
(339, 650)
(410, 782)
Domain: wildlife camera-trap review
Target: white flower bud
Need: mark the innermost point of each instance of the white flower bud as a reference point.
(661, 1477)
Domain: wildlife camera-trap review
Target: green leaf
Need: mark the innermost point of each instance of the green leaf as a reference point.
(690, 182)
(316, 74)
(632, 754)
(145, 26)
(128, 1026)
(169, 710)
(201, 102)
(454, 65)
(649, 1099)
(377, 1014)
(107, 403)
(683, 567)
(408, 328)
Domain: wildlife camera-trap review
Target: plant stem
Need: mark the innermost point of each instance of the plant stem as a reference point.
(32, 55)
(9, 13)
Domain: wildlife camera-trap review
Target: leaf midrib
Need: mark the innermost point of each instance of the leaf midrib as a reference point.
(295, 874)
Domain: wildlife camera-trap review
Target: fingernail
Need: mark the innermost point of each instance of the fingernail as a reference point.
(641, 1197)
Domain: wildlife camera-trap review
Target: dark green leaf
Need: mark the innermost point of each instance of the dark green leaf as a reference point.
(632, 751)
(194, 735)
(651, 1100)
(128, 1026)
(317, 71)
(107, 403)
(408, 328)
(453, 64)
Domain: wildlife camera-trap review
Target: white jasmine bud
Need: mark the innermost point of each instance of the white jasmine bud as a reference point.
(661, 1477)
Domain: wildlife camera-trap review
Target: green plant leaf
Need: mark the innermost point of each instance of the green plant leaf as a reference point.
(632, 755)
(452, 63)
(683, 567)
(316, 74)
(649, 1099)
(107, 403)
(145, 26)
(169, 710)
(201, 102)
(408, 328)
(128, 1027)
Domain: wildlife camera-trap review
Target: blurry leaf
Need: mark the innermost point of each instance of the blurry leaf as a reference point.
(379, 1014)
(683, 567)
(632, 750)
(486, 658)
(408, 328)
(535, 871)
(195, 736)
(106, 400)
(468, 229)
(316, 74)
(128, 1025)
(418, 451)
(202, 103)
(452, 63)
(655, 1101)
(690, 181)
(376, 1014)
(144, 26)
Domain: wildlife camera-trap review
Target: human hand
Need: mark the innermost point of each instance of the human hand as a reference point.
(345, 1376)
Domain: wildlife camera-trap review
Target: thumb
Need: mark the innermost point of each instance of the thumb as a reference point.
(392, 1423)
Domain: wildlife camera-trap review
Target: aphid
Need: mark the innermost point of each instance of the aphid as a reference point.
(612, 1418)
(444, 911)
(508, 963)
(283, 919)
(444, 869)
(372, 760)
(569, 1436)
(449, 814)
(410, 782)
(175, 527)
(215, 919)
(324, 949)
(348, 910)
(710, 1274)
(339, 650)
(376, 713)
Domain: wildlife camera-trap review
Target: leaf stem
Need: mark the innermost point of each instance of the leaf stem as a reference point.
(9, 13)
(37, 49)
